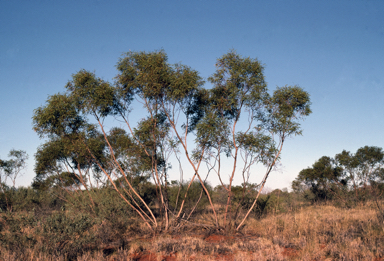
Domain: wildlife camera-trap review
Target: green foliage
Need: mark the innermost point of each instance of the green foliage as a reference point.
(13, 235)
(244, 195)
(370, 164)
(59, 117)
(105, 198)
(29, 199)
(40, 221)
(91, 94)
(321, 178)
(196, 195)
(24, 199)
(12, 168)
(57, 156)
(77, 153)
(287, 105)
(67, 235)
(150, 76)
(237, 81)
(348, 177)
(258, 145)
(128, 153)
(275, 202)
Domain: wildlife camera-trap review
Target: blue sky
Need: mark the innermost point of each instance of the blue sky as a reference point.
(333, 49)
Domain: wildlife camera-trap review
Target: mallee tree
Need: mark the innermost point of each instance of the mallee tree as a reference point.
(11, 169)
(236, 121)
(361, 173)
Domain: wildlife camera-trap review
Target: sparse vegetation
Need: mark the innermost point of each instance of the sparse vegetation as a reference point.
(104, 193)
(236, 120)
(284, 226)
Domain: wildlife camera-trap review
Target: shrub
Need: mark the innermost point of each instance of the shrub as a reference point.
(67, 235)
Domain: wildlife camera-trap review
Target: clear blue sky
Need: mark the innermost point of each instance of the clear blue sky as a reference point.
(333, 49)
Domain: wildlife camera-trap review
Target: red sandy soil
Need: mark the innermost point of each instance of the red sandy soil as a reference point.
(149, 256)
(290, 252)
(216, 238)
(228, 257)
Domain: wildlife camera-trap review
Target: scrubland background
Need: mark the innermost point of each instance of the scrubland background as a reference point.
(50, 225)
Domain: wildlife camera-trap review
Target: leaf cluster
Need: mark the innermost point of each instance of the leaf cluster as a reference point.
(76, 148)
(346, 172)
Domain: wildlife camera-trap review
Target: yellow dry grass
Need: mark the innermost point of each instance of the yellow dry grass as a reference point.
(312, 233)
(326, 232)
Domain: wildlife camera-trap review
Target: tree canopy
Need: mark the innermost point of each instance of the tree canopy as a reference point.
(175, 105)
(358, 171)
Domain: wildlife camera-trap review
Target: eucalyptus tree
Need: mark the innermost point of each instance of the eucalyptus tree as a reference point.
(13, 167)
(281, 120)
(165, 91)
(322, 178)
(348, 171)
(370, 165)
(74, 143)
(3, 171)
(177, 106)
(3, 178)
(64, 160)
(363, 168)
(239, 91)
(348, 162)
(16, 164)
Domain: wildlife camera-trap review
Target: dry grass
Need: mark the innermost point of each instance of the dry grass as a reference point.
(313, 233)
(326, 232)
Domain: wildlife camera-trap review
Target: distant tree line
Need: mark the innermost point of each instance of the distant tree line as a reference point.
(347, 177)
